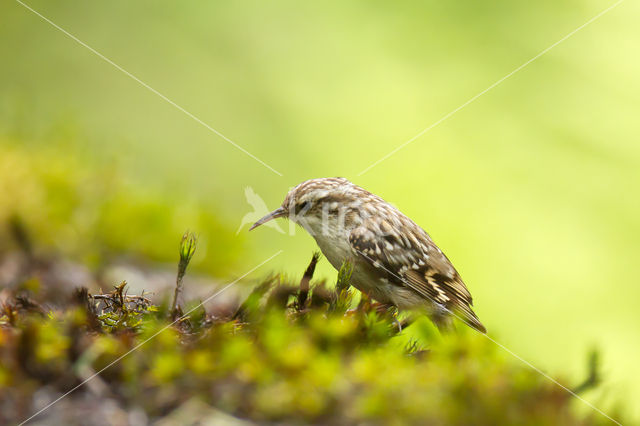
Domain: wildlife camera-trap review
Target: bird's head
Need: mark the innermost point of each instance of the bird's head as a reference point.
(319, 204)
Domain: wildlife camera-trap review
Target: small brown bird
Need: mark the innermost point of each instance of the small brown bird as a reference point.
(394, 260)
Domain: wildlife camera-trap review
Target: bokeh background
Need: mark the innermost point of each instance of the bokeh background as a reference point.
(532, 190)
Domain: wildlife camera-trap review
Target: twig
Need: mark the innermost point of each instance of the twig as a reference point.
(593, 377)
(306, 279)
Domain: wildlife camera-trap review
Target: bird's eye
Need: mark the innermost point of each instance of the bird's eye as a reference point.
(303, 206)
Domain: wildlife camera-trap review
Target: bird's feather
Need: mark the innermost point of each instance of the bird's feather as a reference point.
(410, 258)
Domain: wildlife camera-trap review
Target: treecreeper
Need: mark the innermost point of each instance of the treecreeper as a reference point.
(394, 260)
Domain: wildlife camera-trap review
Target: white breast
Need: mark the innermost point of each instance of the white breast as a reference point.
(336, 250)
(334, 243)
(364, 277)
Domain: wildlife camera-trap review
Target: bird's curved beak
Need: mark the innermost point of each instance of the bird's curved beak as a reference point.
(279, 212)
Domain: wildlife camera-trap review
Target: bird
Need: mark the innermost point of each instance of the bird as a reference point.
(394, 261)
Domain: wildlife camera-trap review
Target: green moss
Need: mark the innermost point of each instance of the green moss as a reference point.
(290, 365)
(279, 357)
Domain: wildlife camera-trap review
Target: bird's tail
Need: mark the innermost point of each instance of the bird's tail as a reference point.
(466, 314)
(444, 321)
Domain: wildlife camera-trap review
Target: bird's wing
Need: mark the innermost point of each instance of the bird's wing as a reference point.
(410, 258)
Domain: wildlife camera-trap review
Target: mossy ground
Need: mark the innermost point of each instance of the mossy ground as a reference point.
(293, 351)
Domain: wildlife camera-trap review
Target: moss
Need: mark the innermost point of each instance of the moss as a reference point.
(289, 363)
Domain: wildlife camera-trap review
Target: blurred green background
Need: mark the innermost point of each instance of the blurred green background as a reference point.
(532, 190)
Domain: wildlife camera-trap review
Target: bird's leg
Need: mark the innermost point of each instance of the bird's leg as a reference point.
(363, 305)
(389, 310)
(406, 322)
(365, 302)
(397, 323)
(394, 317)
(401, 324)
(383, 308)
